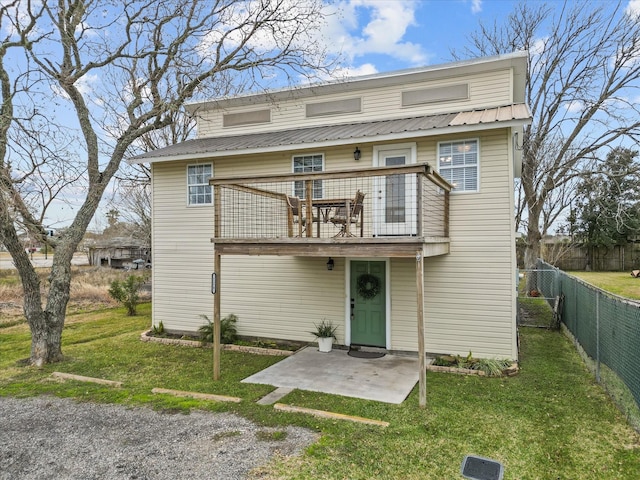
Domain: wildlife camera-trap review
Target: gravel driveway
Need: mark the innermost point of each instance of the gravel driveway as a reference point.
(47, 438)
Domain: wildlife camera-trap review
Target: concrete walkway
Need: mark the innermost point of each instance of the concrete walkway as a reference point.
(388, 379)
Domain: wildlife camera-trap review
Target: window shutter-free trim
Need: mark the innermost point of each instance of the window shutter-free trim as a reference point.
(308, 164)
(199, 191)
(458, 163)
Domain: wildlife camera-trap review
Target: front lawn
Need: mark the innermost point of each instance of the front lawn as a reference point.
(550, 421)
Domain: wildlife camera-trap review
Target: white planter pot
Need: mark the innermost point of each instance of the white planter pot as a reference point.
(325, 344)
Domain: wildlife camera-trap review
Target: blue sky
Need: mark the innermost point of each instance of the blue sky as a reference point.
(386, 35)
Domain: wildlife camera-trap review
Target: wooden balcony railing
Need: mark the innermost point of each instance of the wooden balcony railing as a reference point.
(409, 201)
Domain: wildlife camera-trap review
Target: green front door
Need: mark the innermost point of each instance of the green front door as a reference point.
(368, 303)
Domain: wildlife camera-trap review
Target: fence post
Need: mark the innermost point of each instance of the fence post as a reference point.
(575, 311)
(598, 336)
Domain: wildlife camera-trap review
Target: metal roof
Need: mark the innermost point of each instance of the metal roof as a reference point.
(336, 134)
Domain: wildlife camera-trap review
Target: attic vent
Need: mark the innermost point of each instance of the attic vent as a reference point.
(336, 107)
(435, 94)
(246, 118)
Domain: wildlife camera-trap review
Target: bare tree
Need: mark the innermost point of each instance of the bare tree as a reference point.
(133, 188)
(117, 71)
(583, 74)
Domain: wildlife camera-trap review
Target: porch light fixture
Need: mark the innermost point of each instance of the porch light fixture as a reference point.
(330, 264)
(357, 154)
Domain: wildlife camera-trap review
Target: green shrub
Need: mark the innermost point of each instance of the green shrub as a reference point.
(158, 330)
(492, 367)
(126, 292)
(324, 330)
(228, 332)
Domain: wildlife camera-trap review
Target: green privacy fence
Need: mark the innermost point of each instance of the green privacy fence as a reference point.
(606, 326)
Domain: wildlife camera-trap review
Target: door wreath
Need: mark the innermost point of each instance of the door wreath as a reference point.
(368, 286)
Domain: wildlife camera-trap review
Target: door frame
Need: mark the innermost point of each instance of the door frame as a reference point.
(378, 220)
(347, 296)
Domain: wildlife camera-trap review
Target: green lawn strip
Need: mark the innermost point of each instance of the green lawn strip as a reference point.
(538, 311)
(550, 421)
(618, 283)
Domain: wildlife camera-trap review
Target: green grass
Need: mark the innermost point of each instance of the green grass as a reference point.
(618, 283)
(551, 421)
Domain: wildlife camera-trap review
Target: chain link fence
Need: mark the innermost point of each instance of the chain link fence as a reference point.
(604, 326)
(537, 291)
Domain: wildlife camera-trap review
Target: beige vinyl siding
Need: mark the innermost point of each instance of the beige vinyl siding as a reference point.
(183, 260)
(404, 309)
(182, 252)
(469, 293)
(486, 90)
(283, 297)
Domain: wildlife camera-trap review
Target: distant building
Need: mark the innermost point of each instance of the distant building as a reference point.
(120, 256)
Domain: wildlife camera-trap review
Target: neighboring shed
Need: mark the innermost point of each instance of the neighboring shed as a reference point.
(121, 256)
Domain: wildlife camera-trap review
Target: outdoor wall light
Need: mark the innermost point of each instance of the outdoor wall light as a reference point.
(330, 264)
(357, 154)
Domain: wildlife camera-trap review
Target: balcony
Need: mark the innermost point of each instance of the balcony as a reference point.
(382, 212)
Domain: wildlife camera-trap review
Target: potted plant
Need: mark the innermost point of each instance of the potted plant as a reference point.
(325, 333)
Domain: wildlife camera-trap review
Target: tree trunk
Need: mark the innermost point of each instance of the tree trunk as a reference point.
(45, 324)
(531, 255)
(45, 334)
(532, 247)
(46, 339)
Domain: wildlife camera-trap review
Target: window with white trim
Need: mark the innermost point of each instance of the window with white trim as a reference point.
(198, 188)
(458, 164)
(308, 164)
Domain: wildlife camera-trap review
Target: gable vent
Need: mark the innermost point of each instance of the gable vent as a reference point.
(336, 107)
(435, 94)
(246, 118)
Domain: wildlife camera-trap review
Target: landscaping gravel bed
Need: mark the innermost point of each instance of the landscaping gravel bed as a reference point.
(47, 437)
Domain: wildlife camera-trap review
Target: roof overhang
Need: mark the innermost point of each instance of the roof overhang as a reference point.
(510, 116)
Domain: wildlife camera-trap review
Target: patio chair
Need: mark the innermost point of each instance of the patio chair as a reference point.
(295, 216)
(354, 216)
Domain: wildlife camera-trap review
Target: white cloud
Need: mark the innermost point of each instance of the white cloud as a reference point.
(386, 24)
(236, 25)
(574, 106)
(366, 69)
(85, 85)
(633, 9)
(538, 46)
(476, 6)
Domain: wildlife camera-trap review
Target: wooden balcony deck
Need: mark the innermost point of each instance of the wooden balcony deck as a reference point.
(375, 212)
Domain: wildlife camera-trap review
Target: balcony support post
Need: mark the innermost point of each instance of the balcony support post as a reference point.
(216, 318)
(422, 373)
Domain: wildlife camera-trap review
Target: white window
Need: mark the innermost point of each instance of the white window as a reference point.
(308, 164)
(199, 190)
(458, 163)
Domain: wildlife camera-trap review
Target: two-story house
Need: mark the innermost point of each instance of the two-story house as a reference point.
(356, 201)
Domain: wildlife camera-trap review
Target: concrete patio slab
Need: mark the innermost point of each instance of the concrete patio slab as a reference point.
(388, 379)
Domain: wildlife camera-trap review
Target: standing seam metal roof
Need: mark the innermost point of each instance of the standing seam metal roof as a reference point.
(311, 135)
